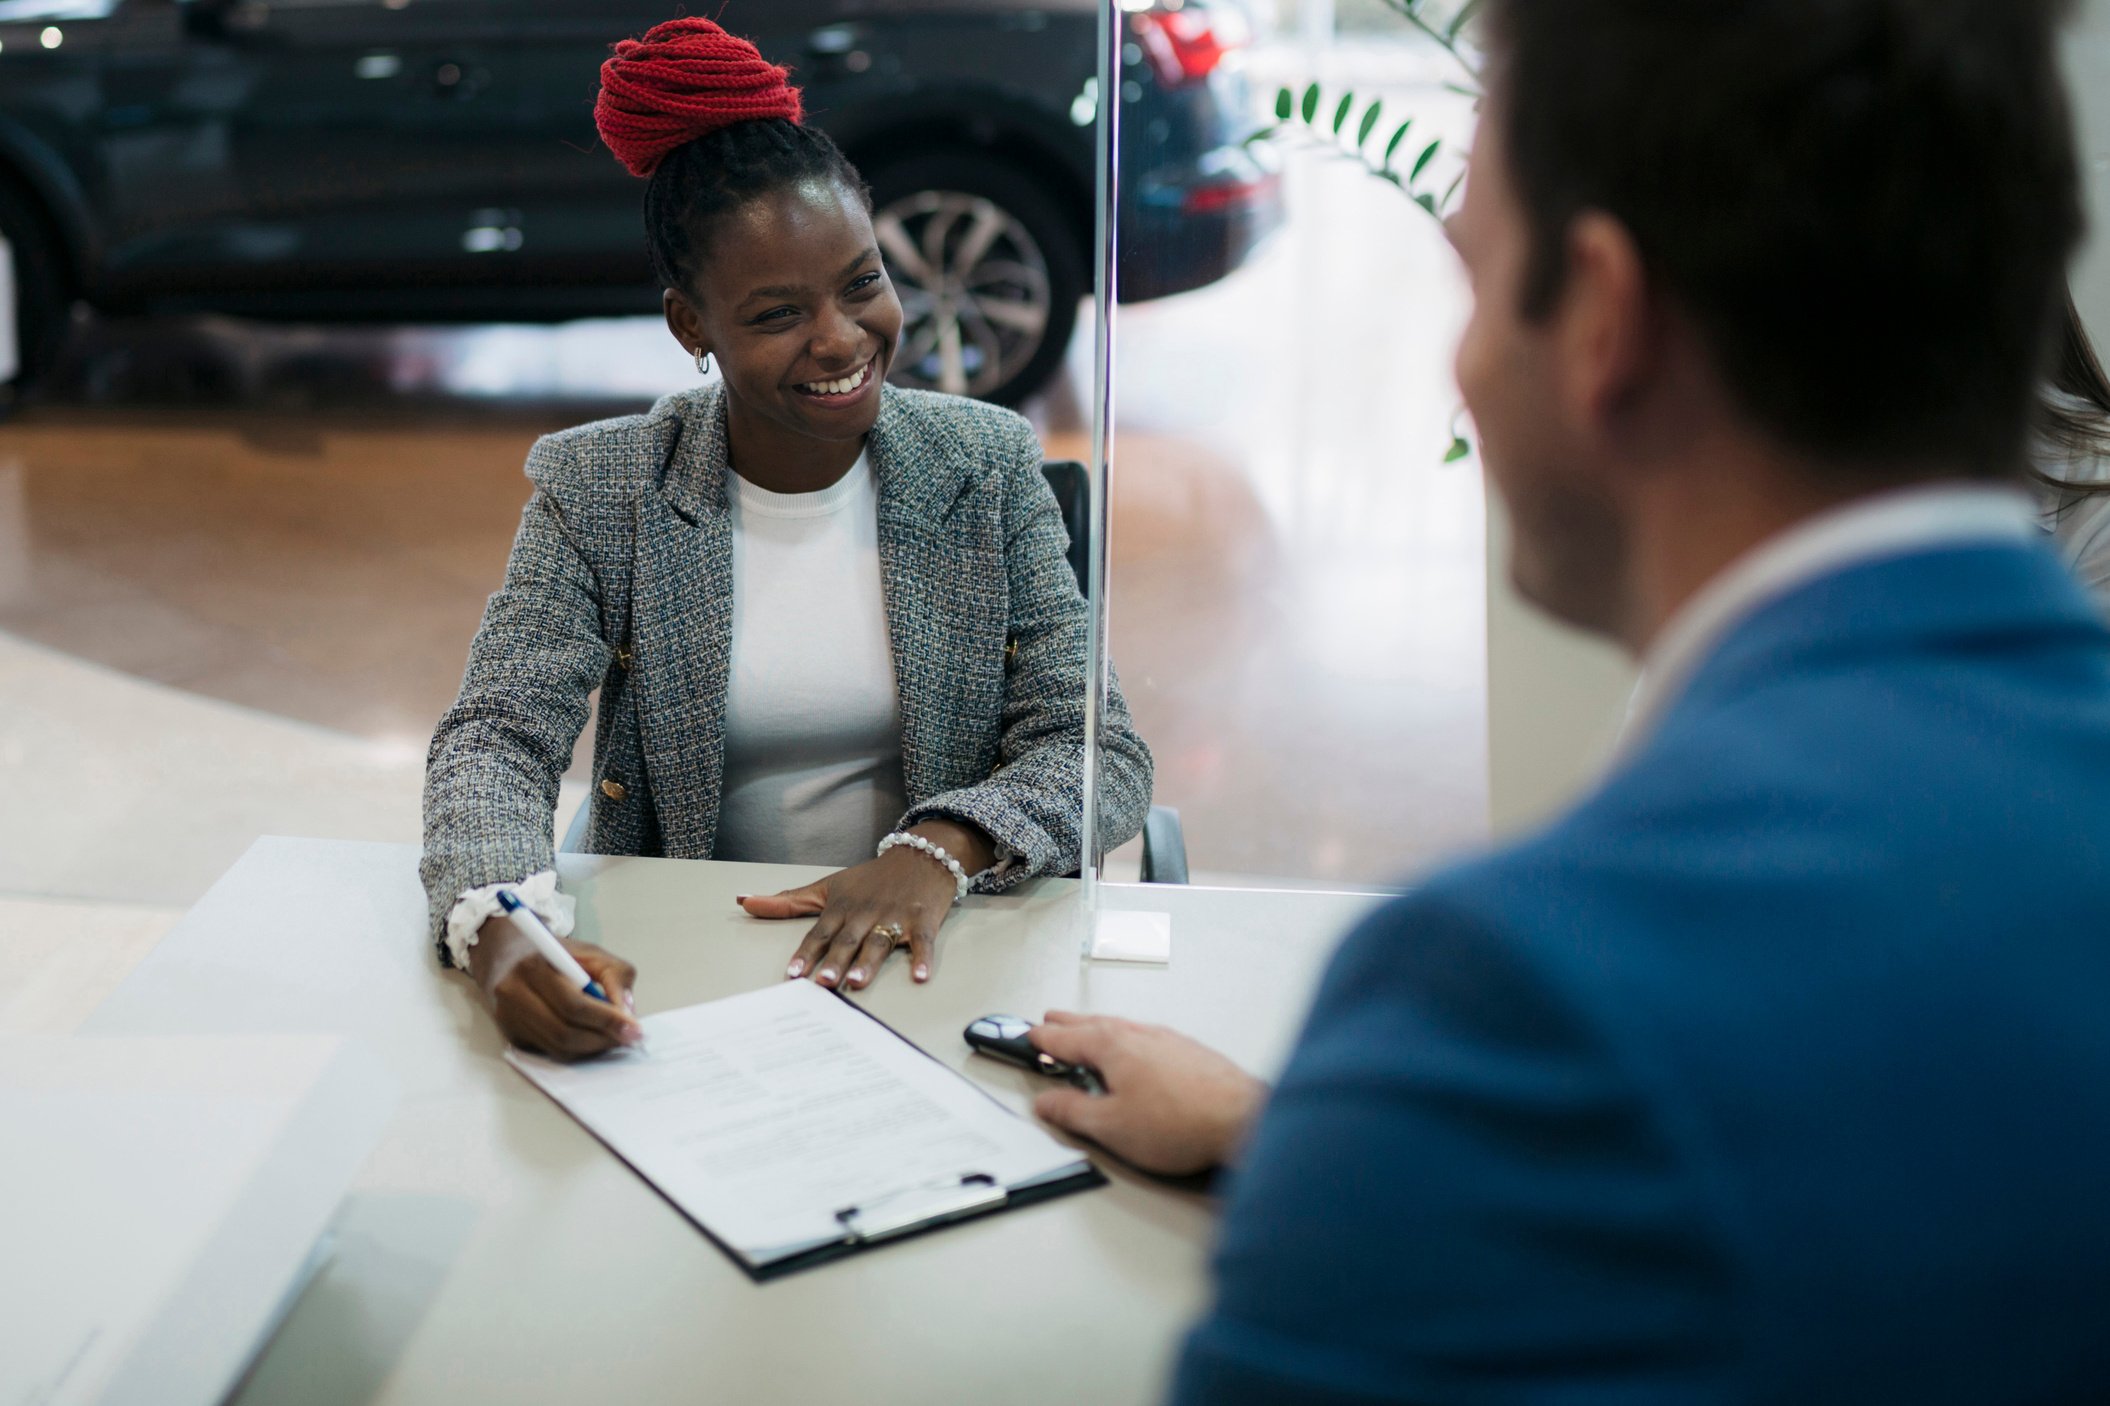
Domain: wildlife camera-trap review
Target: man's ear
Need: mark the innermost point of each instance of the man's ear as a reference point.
(1609, 342)
(685, 322)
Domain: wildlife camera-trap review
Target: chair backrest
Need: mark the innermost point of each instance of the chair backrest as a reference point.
(1073, 495)
(1164, 839)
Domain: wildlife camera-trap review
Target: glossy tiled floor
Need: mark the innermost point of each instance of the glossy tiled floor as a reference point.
(320, 570)
(239, 568)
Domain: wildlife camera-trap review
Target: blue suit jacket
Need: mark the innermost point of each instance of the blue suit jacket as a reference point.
(1777, 1071)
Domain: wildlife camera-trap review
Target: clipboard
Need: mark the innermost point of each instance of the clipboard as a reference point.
(883, 1212)
(971, 1198)
(918, 1210)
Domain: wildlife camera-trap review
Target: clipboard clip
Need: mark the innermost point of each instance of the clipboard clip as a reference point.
(917, 1207)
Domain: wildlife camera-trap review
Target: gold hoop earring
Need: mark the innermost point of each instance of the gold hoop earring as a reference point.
(703, 362)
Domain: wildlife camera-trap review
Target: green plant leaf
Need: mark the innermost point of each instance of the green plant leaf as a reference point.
(1453, 191)
(1392, 176)
(1285, 104)
(1427, 202)
(1459, 449)
(1461, 19)
(1392, 147)
(1262, 135)
(1421, 163)
(1369, 123)
(1340, 112)
(1311, 103)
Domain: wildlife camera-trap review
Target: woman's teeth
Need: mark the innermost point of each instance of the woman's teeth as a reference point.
(843, 387)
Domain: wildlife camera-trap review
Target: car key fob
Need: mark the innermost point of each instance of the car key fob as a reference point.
(1004, 1037)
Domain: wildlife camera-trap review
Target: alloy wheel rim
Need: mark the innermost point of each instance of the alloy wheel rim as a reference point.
(974, 290)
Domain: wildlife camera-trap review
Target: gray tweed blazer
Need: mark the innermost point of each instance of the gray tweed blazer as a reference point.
(621, 580)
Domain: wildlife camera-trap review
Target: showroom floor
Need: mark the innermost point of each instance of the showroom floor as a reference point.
(239, 568)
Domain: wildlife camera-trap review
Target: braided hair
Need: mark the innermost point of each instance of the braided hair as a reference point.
(711, 125)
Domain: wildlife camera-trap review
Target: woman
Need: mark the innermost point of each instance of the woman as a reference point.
(831, 621)
(2072, 468)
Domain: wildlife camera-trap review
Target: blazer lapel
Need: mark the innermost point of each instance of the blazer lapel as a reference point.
(682, 629)
(940, 626)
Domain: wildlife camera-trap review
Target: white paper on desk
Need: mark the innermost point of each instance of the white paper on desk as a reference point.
(763, 1115)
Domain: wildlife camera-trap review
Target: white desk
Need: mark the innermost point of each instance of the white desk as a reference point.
(492, 1252)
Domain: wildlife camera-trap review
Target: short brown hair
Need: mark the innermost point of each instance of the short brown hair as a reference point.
(1866, 205)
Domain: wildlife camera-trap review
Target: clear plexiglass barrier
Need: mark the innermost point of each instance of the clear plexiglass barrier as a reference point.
(1287, 527)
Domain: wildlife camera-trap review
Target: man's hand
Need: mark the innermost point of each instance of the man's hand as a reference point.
(1171, 1105)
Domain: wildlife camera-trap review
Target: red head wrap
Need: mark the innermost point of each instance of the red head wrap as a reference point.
(685, 79)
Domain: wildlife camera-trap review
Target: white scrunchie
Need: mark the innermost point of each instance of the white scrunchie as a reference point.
(477, 906)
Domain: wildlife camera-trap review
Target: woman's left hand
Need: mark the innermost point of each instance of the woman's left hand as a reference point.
(900, 899)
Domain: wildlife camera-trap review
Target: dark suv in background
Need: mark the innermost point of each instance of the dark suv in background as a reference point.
(435, 160)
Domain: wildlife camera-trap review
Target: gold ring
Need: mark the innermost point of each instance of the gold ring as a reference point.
(892, 933)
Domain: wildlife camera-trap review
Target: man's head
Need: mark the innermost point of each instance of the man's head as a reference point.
(1836, 230)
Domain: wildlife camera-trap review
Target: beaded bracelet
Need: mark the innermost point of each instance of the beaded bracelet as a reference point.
(960, 882)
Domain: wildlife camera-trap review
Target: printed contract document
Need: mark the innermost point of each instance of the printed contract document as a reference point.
(792, 1127)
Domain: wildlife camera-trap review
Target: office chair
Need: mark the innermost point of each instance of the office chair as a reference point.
(1164, 839)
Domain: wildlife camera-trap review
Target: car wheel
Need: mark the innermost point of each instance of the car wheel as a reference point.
(34, 304)
(988, 275)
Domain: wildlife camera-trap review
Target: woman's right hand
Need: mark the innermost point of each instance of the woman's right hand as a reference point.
(542, 1012)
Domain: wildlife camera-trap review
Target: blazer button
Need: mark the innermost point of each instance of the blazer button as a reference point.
(614, 790)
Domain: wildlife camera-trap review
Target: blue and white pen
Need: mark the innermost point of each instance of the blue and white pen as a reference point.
(545, 942)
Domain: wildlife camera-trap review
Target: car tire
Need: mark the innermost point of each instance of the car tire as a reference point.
(41, 303)
(988, 273)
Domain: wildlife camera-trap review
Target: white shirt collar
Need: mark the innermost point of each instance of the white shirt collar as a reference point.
(1886, 525)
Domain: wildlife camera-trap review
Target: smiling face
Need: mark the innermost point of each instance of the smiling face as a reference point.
(794, 303)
